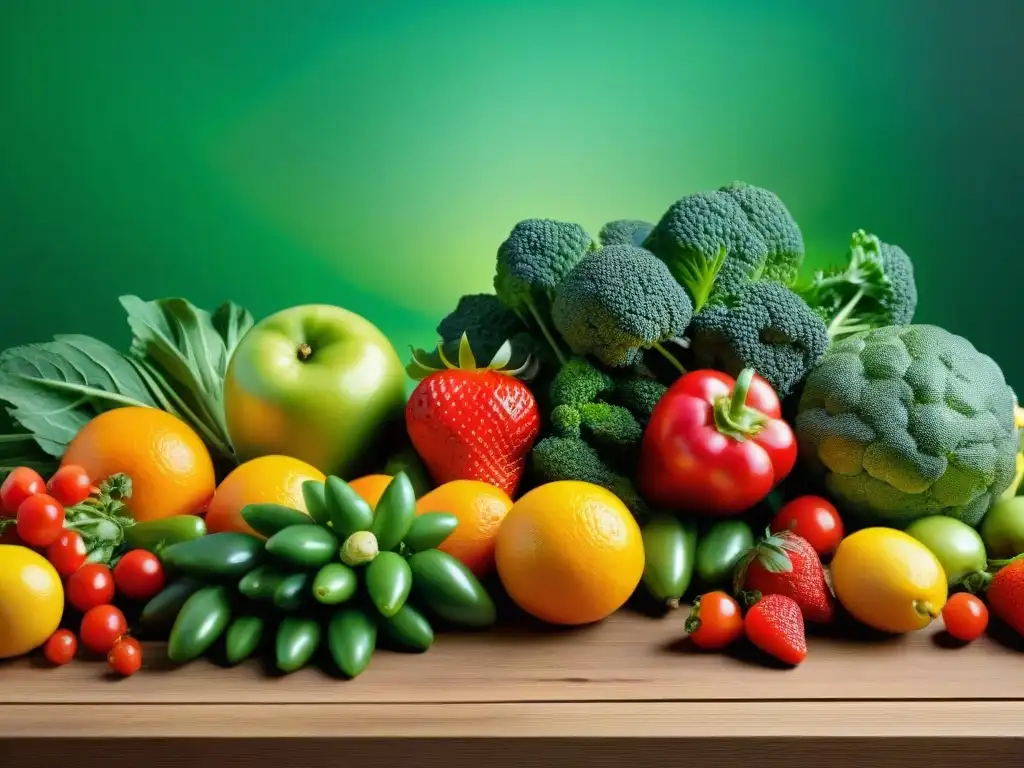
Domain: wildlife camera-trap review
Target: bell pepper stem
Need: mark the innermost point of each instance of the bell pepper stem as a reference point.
(732, 415)
(738, 403)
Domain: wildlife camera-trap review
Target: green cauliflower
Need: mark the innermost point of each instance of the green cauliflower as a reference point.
(907, 421)
(716, 240)
(625, 232)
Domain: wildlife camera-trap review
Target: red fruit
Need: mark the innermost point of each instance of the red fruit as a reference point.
(1005, 595)
(139, 575)
(67, 554)
(40, 520)
(21, 483)
(125, 658)
(69, 485)
(965, 617)
(715, 621)
(774, 624)
(786, 564)
(61, 647)
(815, 519)
(470, 423)
(101, 627)
(89, 586)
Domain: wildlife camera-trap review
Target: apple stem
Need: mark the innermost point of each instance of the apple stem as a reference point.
(305, 352)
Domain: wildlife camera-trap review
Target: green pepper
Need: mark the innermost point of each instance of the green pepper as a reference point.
(157, 534)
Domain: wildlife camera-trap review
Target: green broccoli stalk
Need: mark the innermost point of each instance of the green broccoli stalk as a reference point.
(764, 326)
(875, 288)
(625, 232)
(532, 262)
(619, 302)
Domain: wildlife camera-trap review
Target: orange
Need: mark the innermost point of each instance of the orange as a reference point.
(170, 468)
(569, 553)
(370, 487)
(266, 480)
(480, 508)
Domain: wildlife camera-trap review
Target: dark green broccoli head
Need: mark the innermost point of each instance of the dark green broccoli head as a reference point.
(618, 302)
(578, 383)
(488, 323)
(625, 232)
(610, 428)
(903, 422)
(721, 238)
(764, 326)
(901, 304)
(639, 394)
(566, 421)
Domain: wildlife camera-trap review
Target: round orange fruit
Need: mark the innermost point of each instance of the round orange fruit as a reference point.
(569, 553)
(370, 487)
(170, 469)
(266, 480)
(480, 508)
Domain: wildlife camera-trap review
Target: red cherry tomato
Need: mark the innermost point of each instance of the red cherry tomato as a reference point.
(715, 621)
(139, 575)
(61, 647)
(715, 445)
(19, 485)
(965, 616)
(90, 586)
(67, 554)
(814, 519)
(69, 485)
(125, 658)
(101, 627)
(40, 520)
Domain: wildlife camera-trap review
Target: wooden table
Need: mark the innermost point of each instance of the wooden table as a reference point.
(629, 692)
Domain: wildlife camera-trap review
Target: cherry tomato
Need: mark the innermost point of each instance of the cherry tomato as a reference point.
(40, 520)
(125, 657)
(67, 554)
(61, 647)
(101, 626)
(814, 519)
(139, 575)
(70, 485)
(966, 617)
(19, 485)
(89, 586)
(715, 621)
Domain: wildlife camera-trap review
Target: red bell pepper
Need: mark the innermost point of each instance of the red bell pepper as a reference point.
(715, 445)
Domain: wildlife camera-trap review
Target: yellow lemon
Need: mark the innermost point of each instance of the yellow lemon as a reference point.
(31, 600)
(888, 580)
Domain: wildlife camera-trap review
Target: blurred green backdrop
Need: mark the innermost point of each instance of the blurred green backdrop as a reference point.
(374, 154)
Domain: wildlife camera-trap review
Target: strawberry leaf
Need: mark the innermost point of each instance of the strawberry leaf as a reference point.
(501, 357)
(467, 361)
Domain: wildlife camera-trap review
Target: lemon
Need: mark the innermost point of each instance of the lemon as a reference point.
(888, 580)
(31, 600)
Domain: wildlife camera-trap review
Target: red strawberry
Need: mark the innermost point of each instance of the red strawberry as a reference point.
(774, 624)
(784, 563)
(1005, 595)
(471, 423)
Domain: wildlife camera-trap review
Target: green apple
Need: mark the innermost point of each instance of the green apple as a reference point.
(317, 383)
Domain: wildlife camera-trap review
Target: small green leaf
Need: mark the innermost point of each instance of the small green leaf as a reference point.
(467, 361)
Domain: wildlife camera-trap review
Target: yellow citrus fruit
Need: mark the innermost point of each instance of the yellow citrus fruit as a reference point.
(170, 468)
(31, 600)
(266, 480)
(569, 553)
(480, 508)
(888, 580)
(370, 487)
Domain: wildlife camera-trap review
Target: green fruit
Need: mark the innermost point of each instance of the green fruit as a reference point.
(450, 590)
(388, 581)
(352, 639)
(155, 535)
(408, 628)
(304, 546)
(395, 513)
(243, 638)
(670, 548)
(349, 511)
(268, 519)
(335, 583)
(957, 546)
(720, 550)
(1003, 528)
(261, 583)
(297, 641)
(294, 591)
(315, 382)
(159, 613)
(200, 623)
(314, 493)
(430, 530)
(226, 556)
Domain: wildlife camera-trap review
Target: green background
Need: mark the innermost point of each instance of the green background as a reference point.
(374, 154)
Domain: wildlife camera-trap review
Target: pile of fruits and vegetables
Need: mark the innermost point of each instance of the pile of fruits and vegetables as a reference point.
(673, 415)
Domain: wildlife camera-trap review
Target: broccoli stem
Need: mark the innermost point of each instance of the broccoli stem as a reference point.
(547, 333)
(671, 358)
(835, 328)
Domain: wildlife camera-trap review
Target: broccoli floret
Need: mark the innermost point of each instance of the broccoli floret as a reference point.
(578, 382)
(639, 394)
(764, 326)
(719, 239)
(625, 232)
(874, 289)
(611, 429)
(533, 260)
(488, 323)
(618, 302)
(566, 421)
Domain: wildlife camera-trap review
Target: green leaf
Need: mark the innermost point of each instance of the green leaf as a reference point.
(697, 274)
(467, 361)
(20, 449)
(501, 357)
(55, 388)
